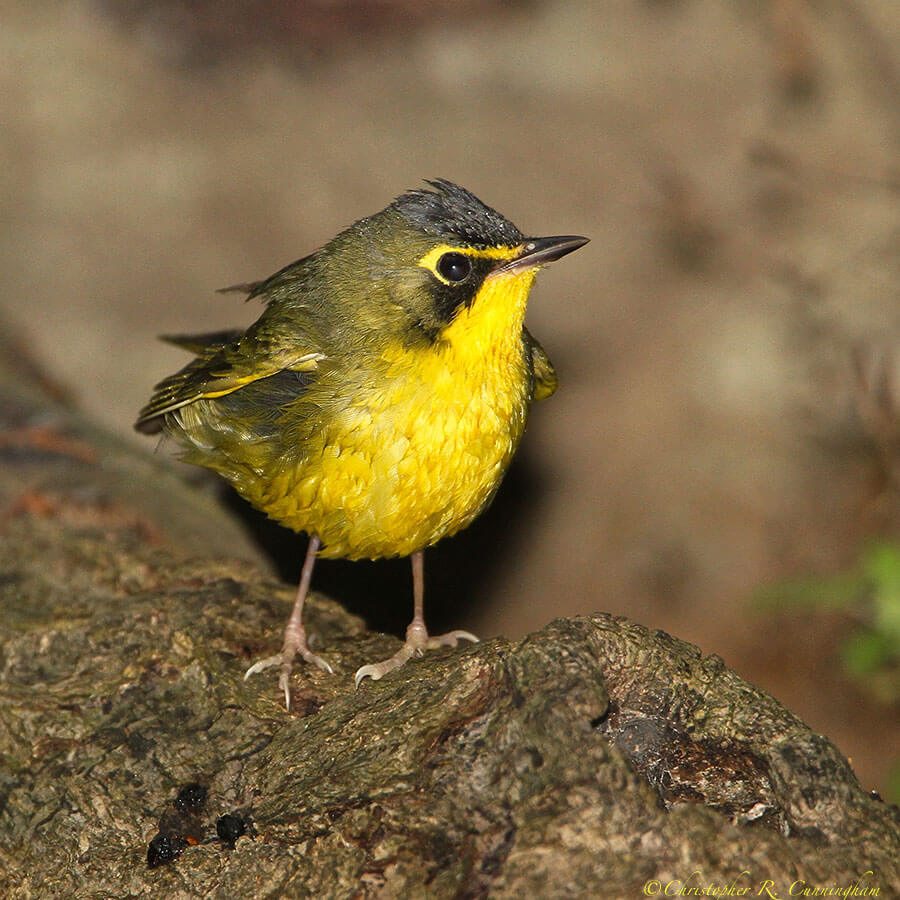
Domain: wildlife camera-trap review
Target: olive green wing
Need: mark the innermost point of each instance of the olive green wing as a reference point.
(227, 361)
(545, 380)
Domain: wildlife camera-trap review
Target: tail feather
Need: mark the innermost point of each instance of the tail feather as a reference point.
(203, 345)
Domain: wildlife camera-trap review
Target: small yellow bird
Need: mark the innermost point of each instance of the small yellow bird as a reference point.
(378, 400)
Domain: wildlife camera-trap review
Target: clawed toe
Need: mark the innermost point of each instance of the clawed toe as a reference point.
(450, 639)
(317, 661)
(286, 660)
(261, 665)
(380, 669)
(417, 642)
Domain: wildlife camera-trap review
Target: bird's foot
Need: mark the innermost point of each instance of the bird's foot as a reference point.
(293, 644)
(417, 642)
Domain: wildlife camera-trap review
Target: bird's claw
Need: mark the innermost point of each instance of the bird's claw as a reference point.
(450, 639)
(415, 645)
(261, 665)
(286, 660)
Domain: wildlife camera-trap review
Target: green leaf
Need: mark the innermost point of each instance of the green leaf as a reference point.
(865, 652)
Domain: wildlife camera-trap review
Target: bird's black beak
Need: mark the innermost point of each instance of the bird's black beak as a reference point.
(540, 251)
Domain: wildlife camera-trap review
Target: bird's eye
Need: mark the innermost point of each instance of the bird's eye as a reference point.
(454, 267)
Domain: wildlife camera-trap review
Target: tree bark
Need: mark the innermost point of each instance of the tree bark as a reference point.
(594, 758)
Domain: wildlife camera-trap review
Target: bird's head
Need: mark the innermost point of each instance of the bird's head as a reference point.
(434, 253)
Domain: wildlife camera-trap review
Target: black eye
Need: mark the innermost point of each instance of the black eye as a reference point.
(454, 267)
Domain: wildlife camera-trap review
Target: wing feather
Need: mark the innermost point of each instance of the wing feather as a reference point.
(226, 361)
(545, 379)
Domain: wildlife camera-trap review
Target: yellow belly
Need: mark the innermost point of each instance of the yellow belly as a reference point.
(417, 455)
(389, 482)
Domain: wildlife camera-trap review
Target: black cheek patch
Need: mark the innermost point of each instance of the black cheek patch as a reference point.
(449, 299)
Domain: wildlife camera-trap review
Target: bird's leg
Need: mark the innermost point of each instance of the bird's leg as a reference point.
(417, 637)
(294, 633)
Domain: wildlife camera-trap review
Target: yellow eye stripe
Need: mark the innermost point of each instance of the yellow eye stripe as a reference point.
(430, 259)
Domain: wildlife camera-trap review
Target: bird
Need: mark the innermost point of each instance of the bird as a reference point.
(378, 400)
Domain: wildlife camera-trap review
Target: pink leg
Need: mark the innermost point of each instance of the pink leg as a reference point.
(294, 633)
(417, 638)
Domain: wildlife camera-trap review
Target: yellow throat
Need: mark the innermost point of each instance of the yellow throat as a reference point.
(422, 447)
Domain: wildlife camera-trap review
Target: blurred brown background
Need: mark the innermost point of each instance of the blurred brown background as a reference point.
(727, 344)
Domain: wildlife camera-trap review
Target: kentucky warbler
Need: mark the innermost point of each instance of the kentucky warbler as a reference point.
(379, 398)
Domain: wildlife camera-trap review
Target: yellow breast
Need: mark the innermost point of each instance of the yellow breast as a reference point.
(422, 448)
